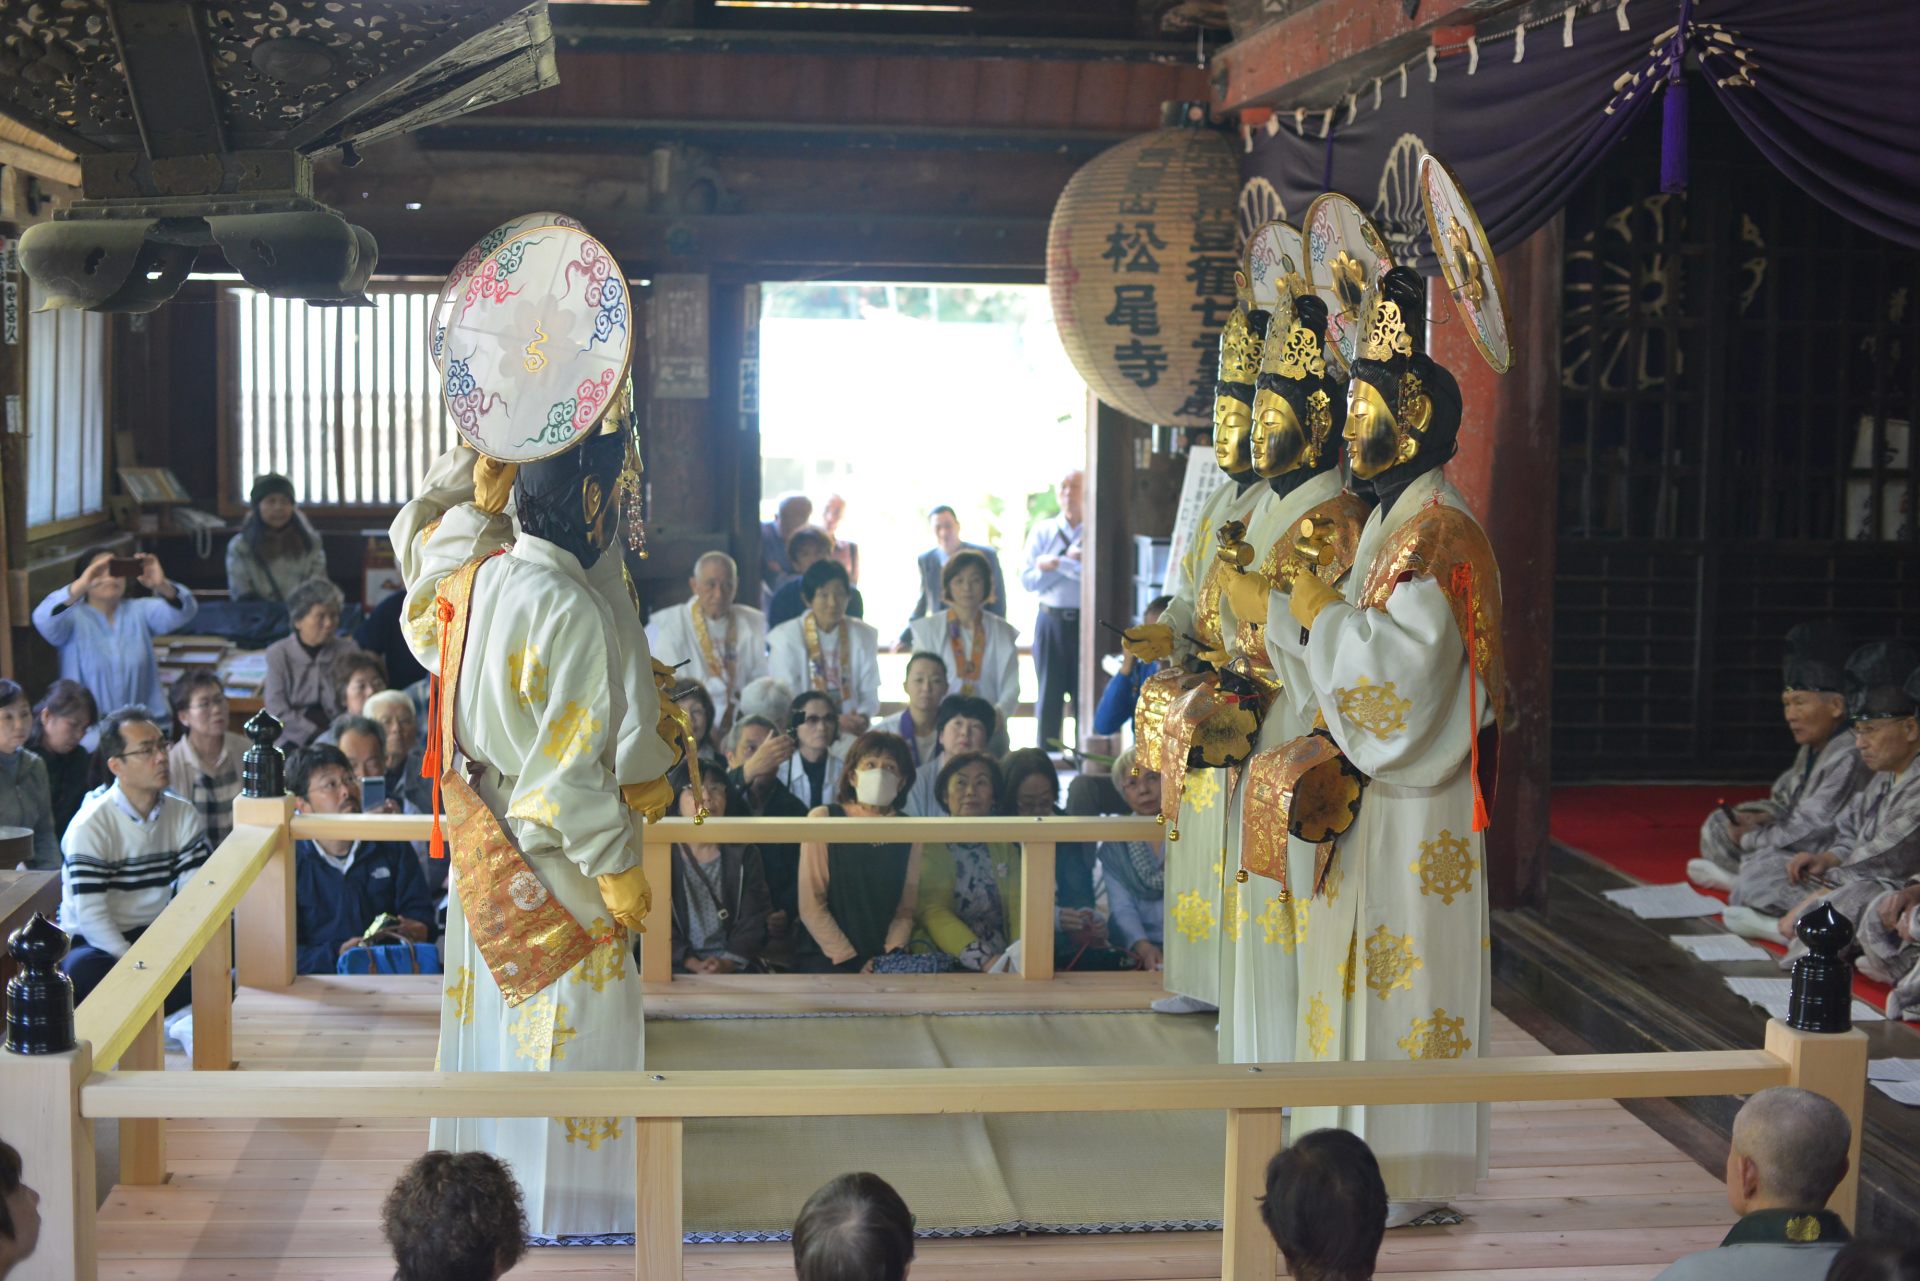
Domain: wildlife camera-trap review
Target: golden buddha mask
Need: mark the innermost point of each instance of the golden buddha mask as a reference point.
(1376, 437)
(1232, 426)
(1279, 442)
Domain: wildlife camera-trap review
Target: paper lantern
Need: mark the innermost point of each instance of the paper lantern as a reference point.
(1140, 261)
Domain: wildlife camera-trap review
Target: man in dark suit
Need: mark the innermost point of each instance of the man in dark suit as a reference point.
(946, 538)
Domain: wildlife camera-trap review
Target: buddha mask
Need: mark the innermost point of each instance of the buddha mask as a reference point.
(1279, 441)
(1232, 425)
(1376, 437)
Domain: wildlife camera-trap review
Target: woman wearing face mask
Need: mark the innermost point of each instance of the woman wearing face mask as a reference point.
(26, 800)
(1136, 871)
(276, 549)
(61, 720)
(857, 901)
(970, 891)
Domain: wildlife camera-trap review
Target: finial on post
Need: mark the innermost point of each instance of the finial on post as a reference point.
(39, 996)
(1822, 996)
(263, 770)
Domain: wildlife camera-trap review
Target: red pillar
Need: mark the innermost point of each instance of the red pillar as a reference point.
(1508, 471)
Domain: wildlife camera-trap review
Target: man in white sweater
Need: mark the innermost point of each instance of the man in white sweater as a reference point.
(127, 850)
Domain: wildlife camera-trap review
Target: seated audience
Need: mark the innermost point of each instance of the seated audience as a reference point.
(698, 705)
(946, 542)
(756, 753)
(767, 697)
(26, 797)
(1874, 836)
(1136, 871)
(808, 547)
(105, 640)
(19, 1213)
(1876, 1261)
(301, 691)
(1789, 1153)
(363, 741)
(981, 649)
(846, 554)
(1122, 694)
(1806, 800)
(61, 720)
(825, 650)
(342, 887)
(455, 1216)
(380, 633)
(926, 685)
(1888, 938)
(203, 764)
(1032, 789)
(130, 847)
(857, 901)
(970, 890)
(963, 724)
(776, 535)
(1326, 1206)
(723, 644)
(393, 711)
(719, 900)
(276, 549)
(855, 1228)
(358, 675)
(813, 771)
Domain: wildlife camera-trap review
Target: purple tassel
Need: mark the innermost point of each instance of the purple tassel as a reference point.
(1673, 117)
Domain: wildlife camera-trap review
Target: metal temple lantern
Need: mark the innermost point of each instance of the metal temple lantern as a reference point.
(1140, 261)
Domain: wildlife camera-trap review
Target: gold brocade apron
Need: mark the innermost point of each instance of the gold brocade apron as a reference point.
(528, 940)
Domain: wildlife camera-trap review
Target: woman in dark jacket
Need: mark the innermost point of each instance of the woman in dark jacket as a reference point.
(61, 720)
(719, 892)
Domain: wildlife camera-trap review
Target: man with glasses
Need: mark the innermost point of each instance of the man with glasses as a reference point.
(1878, 832)
(128, 849)
(340, 887)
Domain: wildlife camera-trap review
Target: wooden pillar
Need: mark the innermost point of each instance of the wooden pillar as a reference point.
(1106, 583)
(1036, 909)
(143, 1142)
(1247, 1251)
(658, 1193)
(1833, 1064)
(264, 922)
(213, 1003)
(55, 1143)
(1508, 471)
(656, 945)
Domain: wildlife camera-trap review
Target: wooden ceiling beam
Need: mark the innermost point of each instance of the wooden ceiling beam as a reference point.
(539, 133)
(593, 33)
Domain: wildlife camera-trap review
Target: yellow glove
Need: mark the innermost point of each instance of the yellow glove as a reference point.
(627, 896)
(649, 800)
(1308, 597)
(1148, 642)
(492, 483)
(1249, 593)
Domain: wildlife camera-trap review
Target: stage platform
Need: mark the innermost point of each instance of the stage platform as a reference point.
(1577, 1190)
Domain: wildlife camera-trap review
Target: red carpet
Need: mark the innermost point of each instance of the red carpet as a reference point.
(1649, 831)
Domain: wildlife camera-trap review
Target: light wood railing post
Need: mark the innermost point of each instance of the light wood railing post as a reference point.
(265, 920)
(658, 1194)
(43, 1122)
(213, 1003)
(1036, 909)
(1833, 1064)
(1247, 1251)
(656, 945)
(143, 1142)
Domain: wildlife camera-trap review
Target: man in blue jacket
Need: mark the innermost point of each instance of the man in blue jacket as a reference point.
(342, 886)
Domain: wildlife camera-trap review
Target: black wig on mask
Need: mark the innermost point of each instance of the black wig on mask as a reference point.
(1310, 313)
(551, 496)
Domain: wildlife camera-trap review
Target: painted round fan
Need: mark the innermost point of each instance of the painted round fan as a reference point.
(537, 344)
(463, 271)
(1466, 260)
(1276, 267)
(1345, 259)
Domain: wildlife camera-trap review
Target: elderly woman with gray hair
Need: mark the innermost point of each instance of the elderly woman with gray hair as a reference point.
(301, 689)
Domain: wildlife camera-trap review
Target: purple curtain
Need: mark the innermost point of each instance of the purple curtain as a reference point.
(1822, 87)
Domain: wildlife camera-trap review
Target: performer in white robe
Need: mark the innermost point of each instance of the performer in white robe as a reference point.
(711, 639)
(982, 656)
(551, 719)
(824, 649)
(1298, 411)
(1392, 952)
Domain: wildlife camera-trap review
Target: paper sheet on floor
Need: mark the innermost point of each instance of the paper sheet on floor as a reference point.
(1907, 1092)
(1893, 1070)
(1774, 995)
(1664, 902)
(1722, 947)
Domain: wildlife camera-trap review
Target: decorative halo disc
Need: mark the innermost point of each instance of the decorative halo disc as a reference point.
(470, 263)
(1467, 262)
(537, 345)
(1346, 257)
(1276, 268)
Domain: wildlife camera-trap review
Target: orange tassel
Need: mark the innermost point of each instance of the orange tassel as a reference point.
(1463, 585)
(432, 762)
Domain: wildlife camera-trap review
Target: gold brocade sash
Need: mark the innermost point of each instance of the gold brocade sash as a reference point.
(1157, 695)
(1304, 788)
(526, 937)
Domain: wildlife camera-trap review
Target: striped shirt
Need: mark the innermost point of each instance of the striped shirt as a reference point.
(120, 868)
(210, 785)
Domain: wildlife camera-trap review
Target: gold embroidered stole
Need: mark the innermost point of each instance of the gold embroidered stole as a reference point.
(716, 664)
(527, 939)
(816, 665)
(968, 670)
(1157, 694)
(1345, 514)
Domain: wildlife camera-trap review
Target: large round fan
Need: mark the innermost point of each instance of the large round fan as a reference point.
(1345, 259)
(1466, 260)
(1276, 267)
(469, 263)
(537, 344)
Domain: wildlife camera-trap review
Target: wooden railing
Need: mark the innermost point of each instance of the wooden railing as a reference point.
(52, 1099)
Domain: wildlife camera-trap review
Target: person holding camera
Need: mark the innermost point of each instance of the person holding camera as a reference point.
(342, 887)
(812, 773)
(105, 640)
